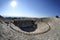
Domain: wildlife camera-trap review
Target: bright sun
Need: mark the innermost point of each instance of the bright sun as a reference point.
(13, 3)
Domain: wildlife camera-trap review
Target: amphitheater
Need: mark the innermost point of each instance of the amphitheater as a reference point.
(30, 29)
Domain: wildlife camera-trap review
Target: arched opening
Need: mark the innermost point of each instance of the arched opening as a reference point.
(26, 25)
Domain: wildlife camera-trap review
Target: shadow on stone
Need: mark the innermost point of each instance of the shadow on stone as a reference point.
(26, 25)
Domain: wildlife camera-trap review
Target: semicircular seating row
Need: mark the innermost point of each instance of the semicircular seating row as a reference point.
(27, 25)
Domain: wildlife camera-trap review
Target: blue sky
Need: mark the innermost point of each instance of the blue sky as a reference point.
(30, 8)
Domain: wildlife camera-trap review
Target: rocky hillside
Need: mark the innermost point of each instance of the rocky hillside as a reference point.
(47, 29)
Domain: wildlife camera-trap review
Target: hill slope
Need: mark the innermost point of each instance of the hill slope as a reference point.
(47, 29)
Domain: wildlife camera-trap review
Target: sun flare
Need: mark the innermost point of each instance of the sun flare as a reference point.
(13, 3)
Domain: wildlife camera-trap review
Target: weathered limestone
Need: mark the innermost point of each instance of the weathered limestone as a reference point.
(12, 32)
